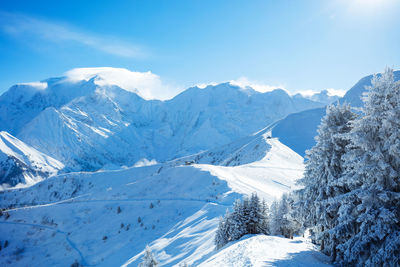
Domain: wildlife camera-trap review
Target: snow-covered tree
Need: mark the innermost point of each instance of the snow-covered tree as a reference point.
(257, 217)
(282, 221)
(274, 221)
(148, 259)
(238, 220)
(369, 221)
(247, 217)
(264, 225)
(222, 235)
(324, 166)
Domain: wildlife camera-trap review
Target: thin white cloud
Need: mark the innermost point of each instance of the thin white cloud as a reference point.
(24, 26)
(37, 85)
(258, 86)
(146, 84)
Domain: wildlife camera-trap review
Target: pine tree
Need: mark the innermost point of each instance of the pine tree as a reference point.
(237, 221)
(287, 223)
(317, 202)
(247, 217)
(264, 225)
(369, 222)
(255, 215)
(274, 219)
(282, 221)
(148, 259)
(221, 237)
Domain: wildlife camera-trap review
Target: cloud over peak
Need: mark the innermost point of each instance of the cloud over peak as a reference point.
(256, 85)
(147, 84)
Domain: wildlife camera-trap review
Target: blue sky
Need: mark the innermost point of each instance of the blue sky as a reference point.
(298, 45)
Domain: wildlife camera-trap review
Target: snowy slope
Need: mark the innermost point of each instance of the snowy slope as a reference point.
(245, 150)
(270, 177)
(75, 217)
(256, 163)
(22, 165)
(68, 216)
(299, 129)
(88, 122)
(261, 250)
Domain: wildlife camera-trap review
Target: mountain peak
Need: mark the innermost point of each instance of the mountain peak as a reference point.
(21, 164)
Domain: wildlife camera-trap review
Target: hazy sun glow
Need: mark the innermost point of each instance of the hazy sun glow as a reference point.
(369, 6)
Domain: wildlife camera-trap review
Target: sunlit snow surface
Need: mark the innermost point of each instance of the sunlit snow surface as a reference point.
(269, 177)
(264, 250)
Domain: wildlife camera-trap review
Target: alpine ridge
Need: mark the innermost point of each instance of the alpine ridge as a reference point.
(22, 165)
(90, 125)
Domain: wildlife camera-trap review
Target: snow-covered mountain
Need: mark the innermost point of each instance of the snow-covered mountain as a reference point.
(106, 218)
(22, 165)
(353, 96)
(89, 123)
(298, 130)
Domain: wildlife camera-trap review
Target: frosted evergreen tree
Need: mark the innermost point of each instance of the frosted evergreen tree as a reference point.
(274, 220)
(369, 222)
(230, 226)
(283, 211)
(282, 222)
(324, 166)
(256, 216)
(221, 236)
(247, 217)
(288, 225)
(148, 259)
(264, 225)
(238, 220)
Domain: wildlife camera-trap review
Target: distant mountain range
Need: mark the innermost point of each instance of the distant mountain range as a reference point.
(91, 124)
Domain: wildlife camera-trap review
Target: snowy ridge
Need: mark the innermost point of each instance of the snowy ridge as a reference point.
(22, 165)
(269, 177)
(256, 163)
(242, 151)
